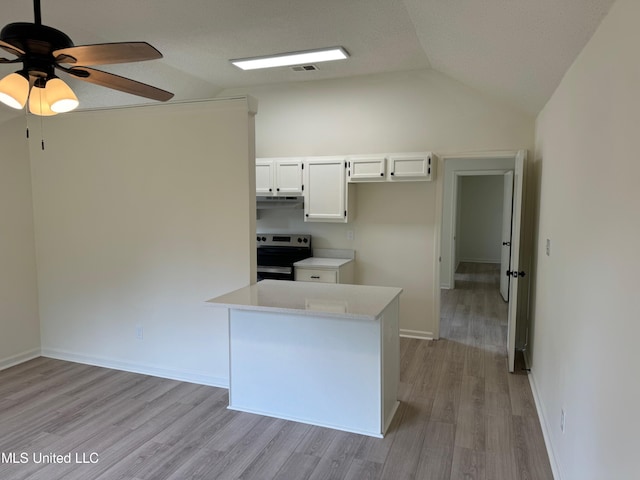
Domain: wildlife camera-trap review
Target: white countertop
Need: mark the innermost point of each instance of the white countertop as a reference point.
(308, 298)
(320, 262)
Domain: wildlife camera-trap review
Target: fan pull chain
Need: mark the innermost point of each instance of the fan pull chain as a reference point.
(41, 129)
(41, 121)
(26, 120)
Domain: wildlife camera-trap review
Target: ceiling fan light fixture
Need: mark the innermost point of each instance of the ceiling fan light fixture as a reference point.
(291, 58)
(59, 96)
(14, 90)
(38, 104)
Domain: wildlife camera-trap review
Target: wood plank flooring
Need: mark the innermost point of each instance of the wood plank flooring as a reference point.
(462, 416)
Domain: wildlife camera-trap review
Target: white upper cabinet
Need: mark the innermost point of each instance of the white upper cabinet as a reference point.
(278, 176)
(366, 168)
(264, 177)
(325, 189)
(288, 176)
(410, 166)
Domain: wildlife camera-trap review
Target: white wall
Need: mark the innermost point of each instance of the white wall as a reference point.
(480, 233)
(142, 214)
(586, 311)
(412, 111)
(19, 324)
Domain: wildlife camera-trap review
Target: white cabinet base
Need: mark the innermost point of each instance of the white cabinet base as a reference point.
(340, 373)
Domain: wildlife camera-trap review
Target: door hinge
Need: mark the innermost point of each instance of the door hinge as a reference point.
(514, 274)
(303, 188)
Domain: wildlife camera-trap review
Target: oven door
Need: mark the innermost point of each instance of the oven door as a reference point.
(275, 273)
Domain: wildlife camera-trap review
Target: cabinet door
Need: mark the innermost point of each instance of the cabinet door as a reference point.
(407, 166)
(366, 168)
(264, 177)
(325, 190)
(288, 176)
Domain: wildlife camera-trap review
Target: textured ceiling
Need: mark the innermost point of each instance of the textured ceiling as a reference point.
(514, 50)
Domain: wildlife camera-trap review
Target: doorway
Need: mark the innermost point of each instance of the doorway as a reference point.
(455, 169)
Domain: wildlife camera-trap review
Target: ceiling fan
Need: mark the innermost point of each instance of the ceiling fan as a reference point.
(43, 49)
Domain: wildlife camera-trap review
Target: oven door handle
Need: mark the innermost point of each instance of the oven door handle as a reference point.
(285, 270)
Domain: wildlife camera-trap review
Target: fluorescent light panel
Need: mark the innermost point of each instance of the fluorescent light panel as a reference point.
(291, 58)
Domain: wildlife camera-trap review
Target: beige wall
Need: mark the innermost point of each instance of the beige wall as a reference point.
(394, 225)
(19, 324)
(142, 214)
(587, 318)
(480, 234)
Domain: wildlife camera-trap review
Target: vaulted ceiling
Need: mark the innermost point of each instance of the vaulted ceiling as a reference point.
(514, 50)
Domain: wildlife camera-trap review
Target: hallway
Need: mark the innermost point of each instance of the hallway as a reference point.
(482, 422)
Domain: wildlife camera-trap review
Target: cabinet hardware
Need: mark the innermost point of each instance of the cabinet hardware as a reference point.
(392, 173)
(506, 244)
(382, 174)
(316, 276)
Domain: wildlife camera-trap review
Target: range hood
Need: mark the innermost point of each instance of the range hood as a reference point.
(267, 203)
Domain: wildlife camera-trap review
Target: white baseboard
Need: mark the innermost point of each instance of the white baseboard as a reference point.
(545, 425)
(180, 375)
(419, 334)
(478, 260)
(19, 358)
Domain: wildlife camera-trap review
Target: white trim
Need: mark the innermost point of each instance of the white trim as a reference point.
(544, 425)
(419, 334)
(198, 377)
(19, 358)
(479, 260)
(293, 418)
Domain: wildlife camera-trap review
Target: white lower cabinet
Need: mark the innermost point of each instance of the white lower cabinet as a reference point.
(324, 270)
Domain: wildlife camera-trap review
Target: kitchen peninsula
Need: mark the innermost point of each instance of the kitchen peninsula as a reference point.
(324, 354)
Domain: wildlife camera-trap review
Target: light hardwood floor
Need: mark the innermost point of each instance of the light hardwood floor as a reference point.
(462, 416)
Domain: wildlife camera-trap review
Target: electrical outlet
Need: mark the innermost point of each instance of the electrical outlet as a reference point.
(548, 247)
(562, 420)
(139, 332)
(350, 235)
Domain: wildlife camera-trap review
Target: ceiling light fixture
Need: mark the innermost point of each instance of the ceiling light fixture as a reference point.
(291, 58)
(48, 96)
(14, 90)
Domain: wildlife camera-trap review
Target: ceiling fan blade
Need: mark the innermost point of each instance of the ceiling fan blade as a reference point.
(6, 60)
(107, 53)
(117, 82)
(10, 48)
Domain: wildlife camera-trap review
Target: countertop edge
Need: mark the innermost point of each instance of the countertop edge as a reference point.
(239, 300)
(294, 311)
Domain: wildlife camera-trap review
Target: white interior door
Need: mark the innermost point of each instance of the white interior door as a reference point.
(514, 270)
(505, 252)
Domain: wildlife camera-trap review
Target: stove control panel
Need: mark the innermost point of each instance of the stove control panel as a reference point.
(283, 240)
